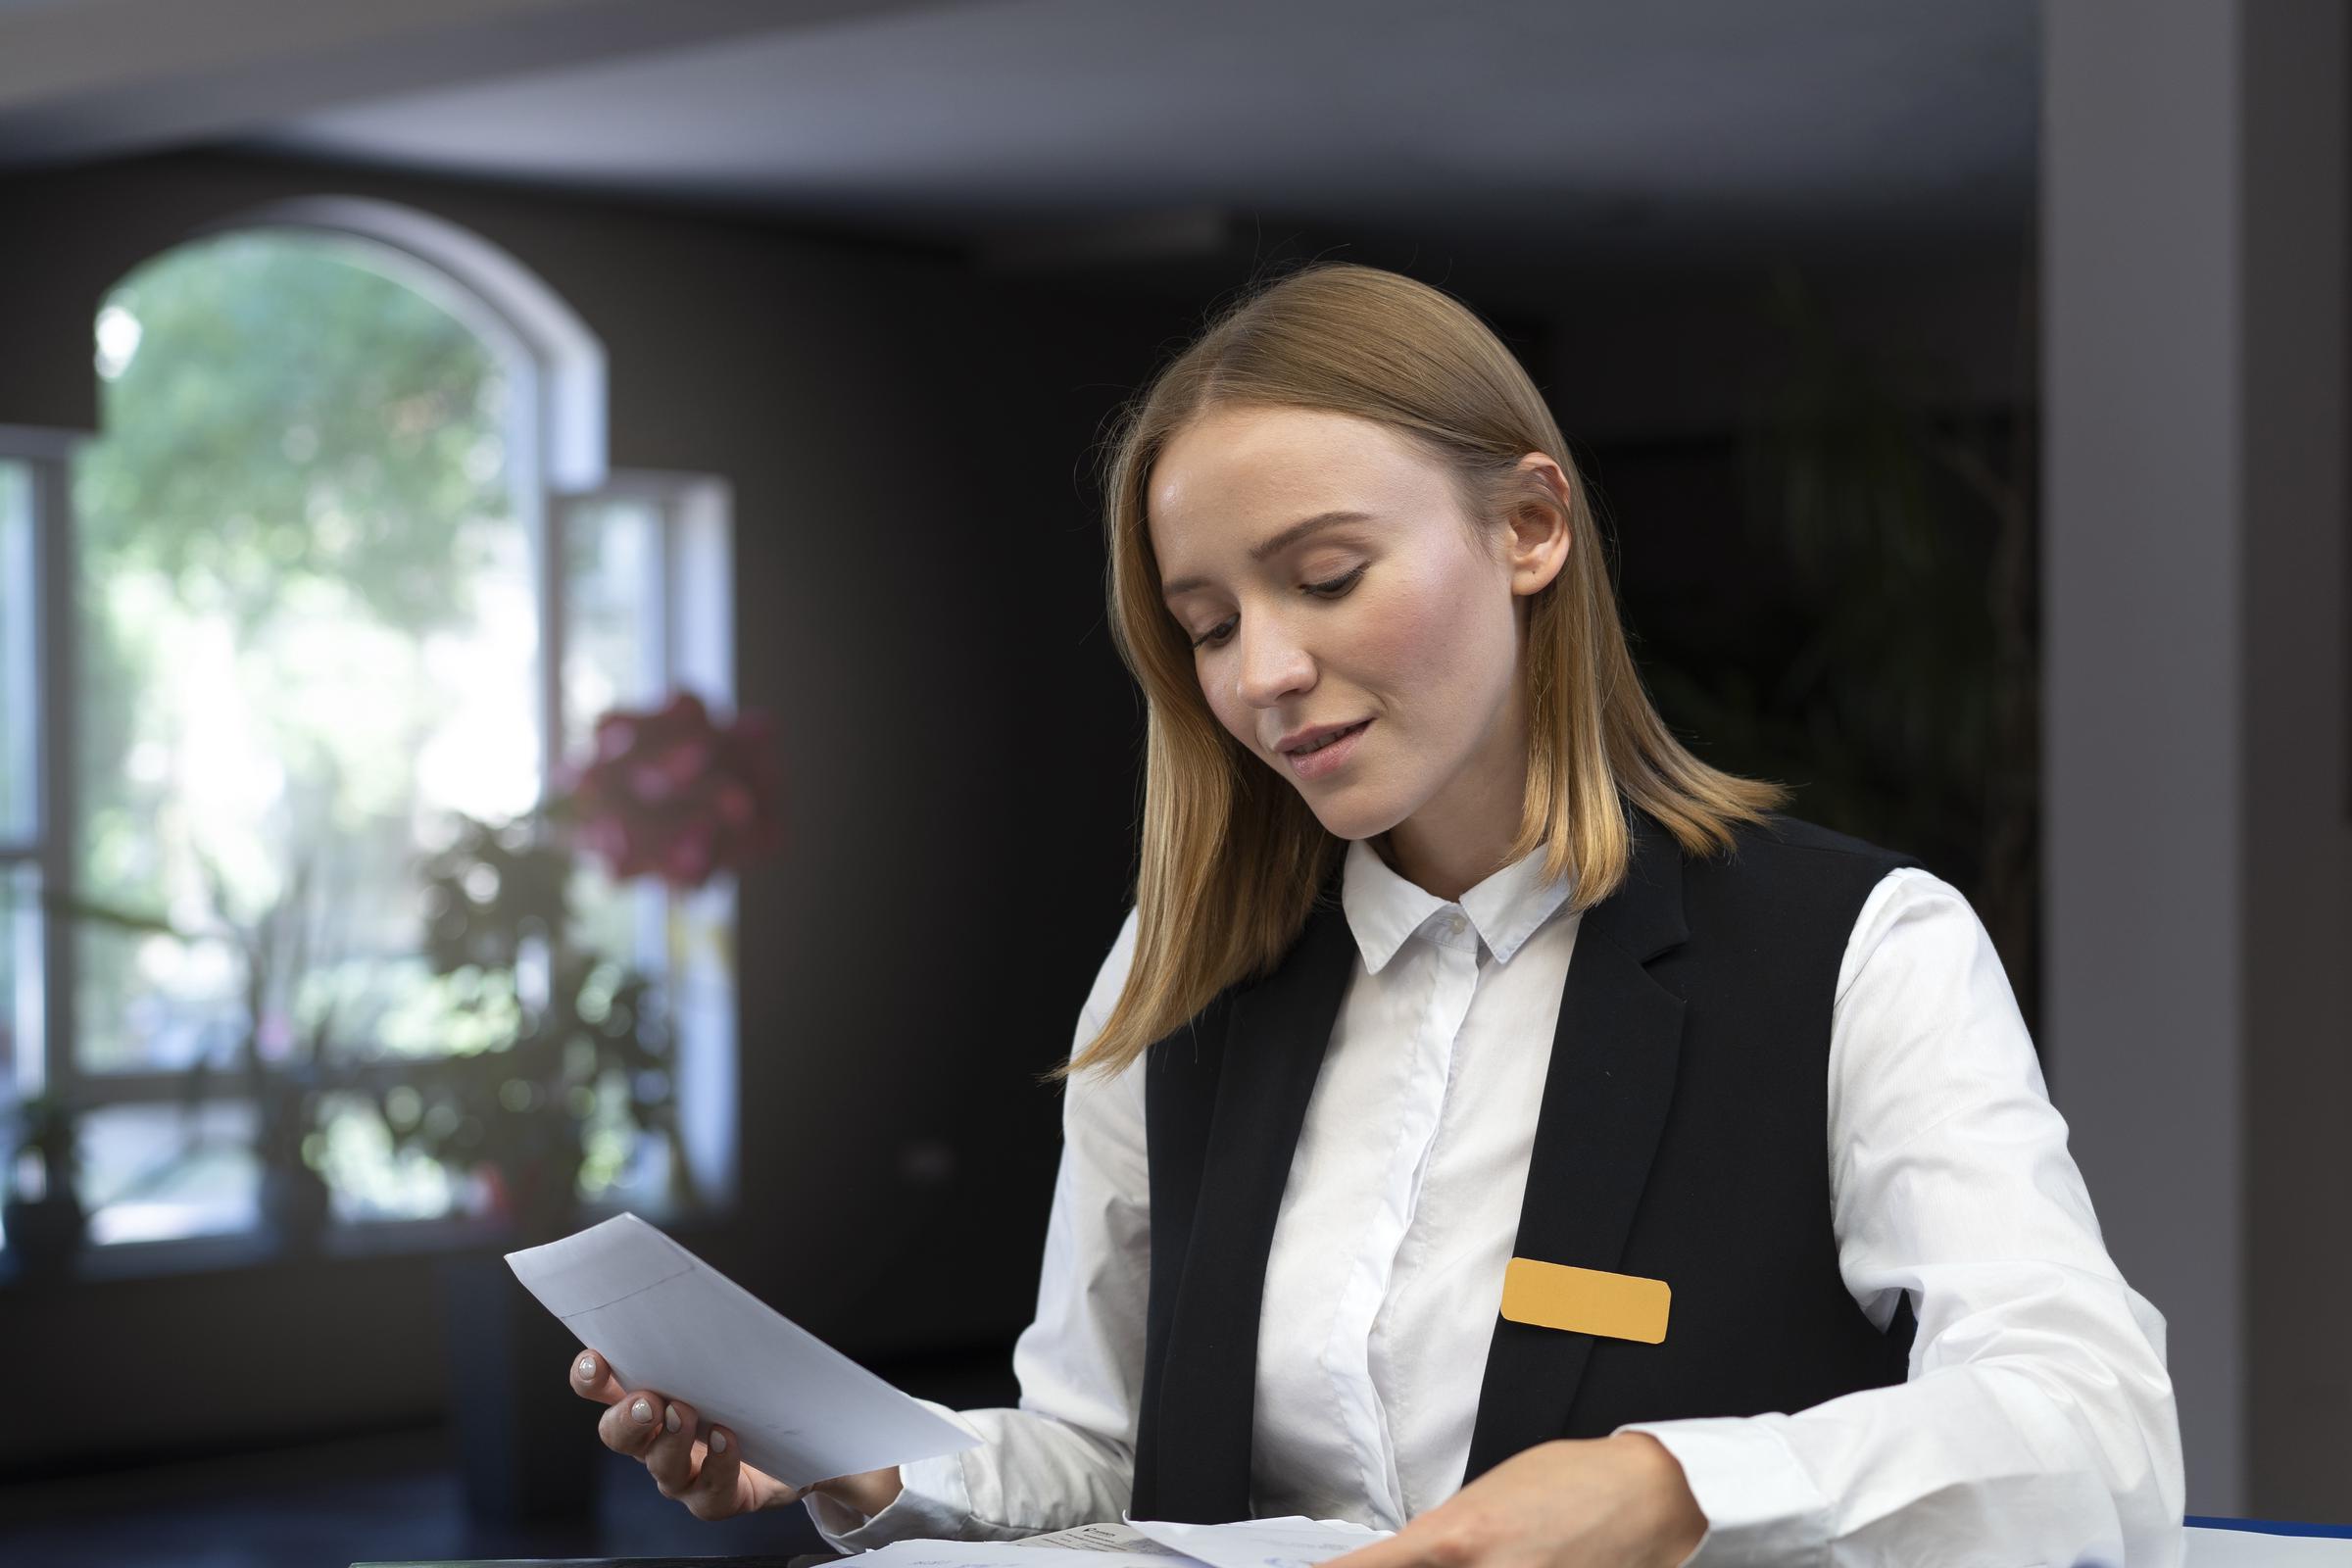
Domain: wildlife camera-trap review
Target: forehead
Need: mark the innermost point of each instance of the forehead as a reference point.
(1245, 468)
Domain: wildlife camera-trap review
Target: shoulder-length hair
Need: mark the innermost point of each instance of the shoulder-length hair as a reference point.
(1233, 858)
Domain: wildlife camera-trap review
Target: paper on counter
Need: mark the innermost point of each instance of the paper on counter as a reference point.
(2252, 1549)
(666, 1320)
(1293, 1541)
(1011, 1555)
(1099, 1538)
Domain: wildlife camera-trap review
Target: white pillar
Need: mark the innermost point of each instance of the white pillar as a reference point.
(2198, 790)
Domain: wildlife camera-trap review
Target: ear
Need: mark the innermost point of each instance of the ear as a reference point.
(1541, 531)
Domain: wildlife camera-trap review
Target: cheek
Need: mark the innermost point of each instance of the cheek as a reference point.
(1417, 640)
(1238, 718)
(1417, 648)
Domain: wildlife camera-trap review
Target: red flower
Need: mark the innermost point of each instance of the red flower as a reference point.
(669, 794)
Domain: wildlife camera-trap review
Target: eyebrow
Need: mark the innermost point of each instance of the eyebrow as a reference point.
(1274, 546)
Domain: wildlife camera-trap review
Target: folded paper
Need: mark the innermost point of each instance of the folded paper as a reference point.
(1585, 1300)
(668, 1321)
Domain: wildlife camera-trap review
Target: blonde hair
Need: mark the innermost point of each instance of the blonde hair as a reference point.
(1233, 858)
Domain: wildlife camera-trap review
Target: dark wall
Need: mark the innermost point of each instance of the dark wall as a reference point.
(919, 602)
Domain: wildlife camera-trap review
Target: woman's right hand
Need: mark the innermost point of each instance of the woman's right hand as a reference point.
(703, 1469)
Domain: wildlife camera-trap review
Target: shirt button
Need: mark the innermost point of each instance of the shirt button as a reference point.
(1453, 925)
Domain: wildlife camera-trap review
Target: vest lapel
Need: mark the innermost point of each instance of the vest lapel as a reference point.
(1605, 1099)
(1276, 1035)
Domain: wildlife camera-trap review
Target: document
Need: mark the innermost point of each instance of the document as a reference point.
(1100, 1546)
(2253, 1548)
(1291, 1542)
(1009, 1554)
(1295, 1541)
(1102, 1538)
(666, 1320)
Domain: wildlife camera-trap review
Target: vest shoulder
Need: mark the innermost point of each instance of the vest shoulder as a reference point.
(1791, 841)
(1787, 881)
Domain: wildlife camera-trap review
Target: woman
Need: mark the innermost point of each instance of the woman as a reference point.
(1492, 1122)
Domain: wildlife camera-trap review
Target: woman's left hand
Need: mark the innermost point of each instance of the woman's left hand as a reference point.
(1568, 1503)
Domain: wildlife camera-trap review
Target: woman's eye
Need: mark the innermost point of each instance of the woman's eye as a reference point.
(1216, 635)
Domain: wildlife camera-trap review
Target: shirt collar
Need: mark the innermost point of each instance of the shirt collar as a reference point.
(1384, 908)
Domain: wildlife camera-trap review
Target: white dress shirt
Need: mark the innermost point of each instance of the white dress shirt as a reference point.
(2037, 1425)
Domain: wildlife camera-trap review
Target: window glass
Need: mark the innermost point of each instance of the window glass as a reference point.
(612, 658)
(613, 602)
(16, 637)
(306, 613)
(20, 983)
(307, 624)
(368, 1177)
(154, 1172)
(308, 631)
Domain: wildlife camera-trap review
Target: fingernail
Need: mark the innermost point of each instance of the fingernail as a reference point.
(641, 1411)
(669, 1418)
(719, 1442)
(587, 1370)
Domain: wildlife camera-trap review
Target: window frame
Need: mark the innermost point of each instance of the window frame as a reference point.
(46, 455)
(555, 372)
(694, 633)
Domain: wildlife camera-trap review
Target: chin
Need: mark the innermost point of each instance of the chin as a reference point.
(1354, 820)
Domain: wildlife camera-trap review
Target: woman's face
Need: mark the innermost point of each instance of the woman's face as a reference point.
(1384, 616)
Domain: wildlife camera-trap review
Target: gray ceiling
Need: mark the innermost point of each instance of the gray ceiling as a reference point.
(1631, 139)
(1608, 127)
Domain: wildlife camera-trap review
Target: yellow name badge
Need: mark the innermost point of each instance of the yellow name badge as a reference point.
(1585, 1300)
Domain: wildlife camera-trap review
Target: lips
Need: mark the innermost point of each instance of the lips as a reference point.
(1318, 737)
(1332, 739)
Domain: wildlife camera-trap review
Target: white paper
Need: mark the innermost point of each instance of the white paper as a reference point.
(2253, 1548)
(1293, 1541)
(668, 1321)
(1011, 1555)
(1099, 1538)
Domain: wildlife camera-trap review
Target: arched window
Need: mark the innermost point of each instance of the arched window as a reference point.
(341, 570)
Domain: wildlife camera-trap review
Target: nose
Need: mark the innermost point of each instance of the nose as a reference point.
(1272, 663)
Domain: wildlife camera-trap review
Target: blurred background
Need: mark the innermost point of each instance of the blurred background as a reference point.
(551, 649)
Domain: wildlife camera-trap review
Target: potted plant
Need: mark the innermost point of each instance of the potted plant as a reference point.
(668, 793)
(271, 950)
(1906, 697)
(43, 1210)
(565, 1028)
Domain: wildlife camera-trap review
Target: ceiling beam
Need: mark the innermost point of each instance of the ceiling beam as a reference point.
(92, 78)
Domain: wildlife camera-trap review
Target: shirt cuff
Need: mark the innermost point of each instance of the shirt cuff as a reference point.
(931, 1505)
(1761, 1505)
(933, 1501)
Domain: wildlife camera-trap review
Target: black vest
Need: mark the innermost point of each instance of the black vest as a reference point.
(1681, 1137)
